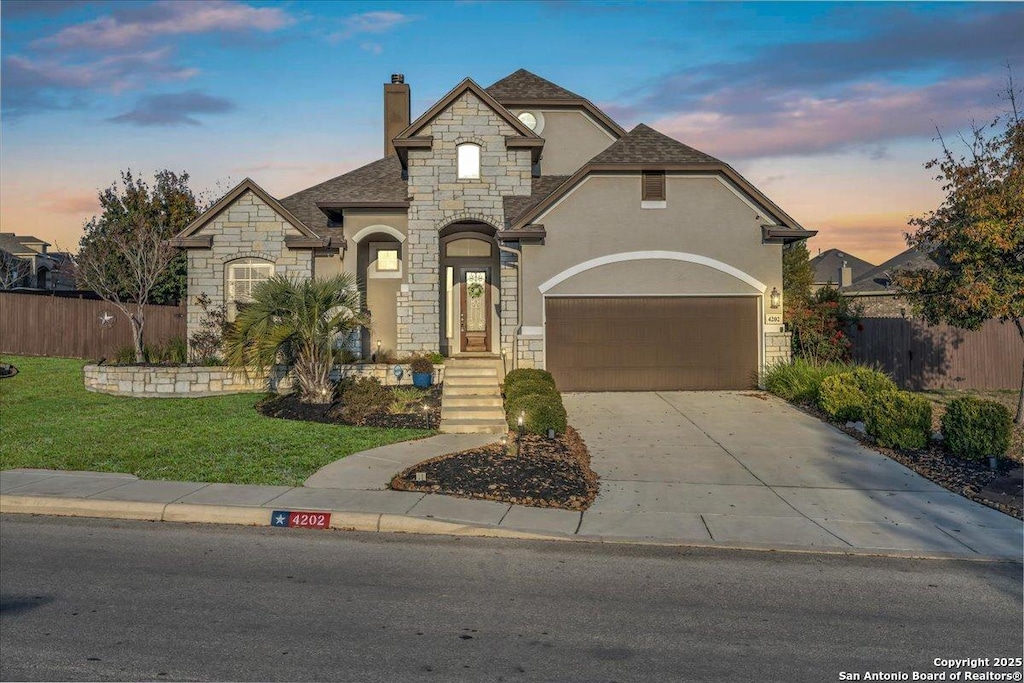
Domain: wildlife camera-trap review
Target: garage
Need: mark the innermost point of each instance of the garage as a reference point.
(652, 343)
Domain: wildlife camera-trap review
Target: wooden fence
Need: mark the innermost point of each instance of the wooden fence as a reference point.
(41, 325)
(919, 356)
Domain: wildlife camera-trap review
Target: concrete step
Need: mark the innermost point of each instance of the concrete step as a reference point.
(473, 401)
(473, 427)
(470, 381)
(460, 371)
(473, 413)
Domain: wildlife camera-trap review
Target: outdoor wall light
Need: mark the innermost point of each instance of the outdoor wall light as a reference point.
(776, 297)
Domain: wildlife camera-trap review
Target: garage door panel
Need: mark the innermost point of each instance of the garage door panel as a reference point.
(652, 343)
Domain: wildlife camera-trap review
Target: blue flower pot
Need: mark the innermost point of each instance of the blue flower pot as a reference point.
(422, 379)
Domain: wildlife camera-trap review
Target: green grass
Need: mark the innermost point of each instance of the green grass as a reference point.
(48, 420)
(800, 380)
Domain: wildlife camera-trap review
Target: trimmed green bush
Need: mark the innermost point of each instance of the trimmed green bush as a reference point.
(363, 398)
(528, 386)
(899, 419)
(844, 396)
(541, 412)
(528, 374)
(974, 428)
(799, 381)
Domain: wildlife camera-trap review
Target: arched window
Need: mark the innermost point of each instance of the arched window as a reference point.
(243, 275)
(469, 161)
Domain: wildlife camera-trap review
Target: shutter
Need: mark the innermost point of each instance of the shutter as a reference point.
(653, 186)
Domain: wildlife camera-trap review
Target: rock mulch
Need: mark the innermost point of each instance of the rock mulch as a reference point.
(289, 407)
(549, 473)
(971, 479)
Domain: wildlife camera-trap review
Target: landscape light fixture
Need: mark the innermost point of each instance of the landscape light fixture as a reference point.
(776, 297)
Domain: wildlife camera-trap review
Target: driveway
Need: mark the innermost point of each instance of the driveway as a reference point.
(748, 468)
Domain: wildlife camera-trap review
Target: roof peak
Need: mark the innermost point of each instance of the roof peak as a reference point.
(526, 85)
(644, 144)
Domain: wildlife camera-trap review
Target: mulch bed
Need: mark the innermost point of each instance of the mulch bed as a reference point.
(971, 479)
(550, 473)
(289, 407)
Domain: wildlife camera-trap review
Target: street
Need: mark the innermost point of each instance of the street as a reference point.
(103, 600)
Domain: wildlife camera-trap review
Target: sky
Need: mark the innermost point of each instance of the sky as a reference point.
(831, 109)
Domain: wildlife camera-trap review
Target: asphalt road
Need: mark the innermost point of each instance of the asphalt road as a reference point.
(103, 600)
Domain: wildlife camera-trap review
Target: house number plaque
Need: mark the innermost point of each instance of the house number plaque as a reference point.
(772, 318)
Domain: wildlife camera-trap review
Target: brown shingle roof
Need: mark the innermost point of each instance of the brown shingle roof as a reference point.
(826, 265)
(644, 145)
(523, 85)
(880, 279)
(380, 181)
(540, 188)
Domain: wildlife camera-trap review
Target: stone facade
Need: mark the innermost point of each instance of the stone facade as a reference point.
(778, 348)
(179, 382)
(439, 198)
(880, 305)
(248, 228)
(509, 302)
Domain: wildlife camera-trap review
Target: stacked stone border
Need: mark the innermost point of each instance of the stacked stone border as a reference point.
(195, 381)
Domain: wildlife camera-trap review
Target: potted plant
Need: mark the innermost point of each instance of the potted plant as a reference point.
(422, 371)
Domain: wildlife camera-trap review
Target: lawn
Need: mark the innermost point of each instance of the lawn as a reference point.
(48, 420)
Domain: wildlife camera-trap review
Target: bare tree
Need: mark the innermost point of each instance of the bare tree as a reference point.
(12, 269)
(124, 266)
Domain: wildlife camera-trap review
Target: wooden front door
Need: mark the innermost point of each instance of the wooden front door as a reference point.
(475, 318)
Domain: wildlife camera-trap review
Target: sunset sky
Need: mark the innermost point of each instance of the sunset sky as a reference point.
(831, 109)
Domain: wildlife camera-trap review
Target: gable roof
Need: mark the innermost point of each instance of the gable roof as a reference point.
(645, 149)
(826, 265)
(879, 279)
(466, 85)
(379, 182)
(516, 205)
(524, 89)
(18, 244)
(644, 145)
(222, 204)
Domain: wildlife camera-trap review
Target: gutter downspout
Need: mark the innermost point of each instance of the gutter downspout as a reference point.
(519, 300)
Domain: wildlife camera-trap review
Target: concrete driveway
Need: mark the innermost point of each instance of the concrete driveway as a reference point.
(748, 468)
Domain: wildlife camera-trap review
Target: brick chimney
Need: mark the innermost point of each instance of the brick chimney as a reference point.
(397, 110)
(845, 275)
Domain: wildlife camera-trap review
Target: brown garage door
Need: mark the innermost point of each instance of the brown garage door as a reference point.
(652, 343)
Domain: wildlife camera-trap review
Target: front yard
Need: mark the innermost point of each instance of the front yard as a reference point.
(48, 420)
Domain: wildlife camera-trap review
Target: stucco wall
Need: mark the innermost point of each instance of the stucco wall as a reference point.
(571, 139)
(248, 228)
(362, 227)
(604, 217)
(440, 198)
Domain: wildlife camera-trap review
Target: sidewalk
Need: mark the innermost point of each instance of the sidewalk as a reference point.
(352, 490)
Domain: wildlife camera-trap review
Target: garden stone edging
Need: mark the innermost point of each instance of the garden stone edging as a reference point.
(196, 381)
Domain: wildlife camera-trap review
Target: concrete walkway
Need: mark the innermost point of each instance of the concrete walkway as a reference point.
(709, 468)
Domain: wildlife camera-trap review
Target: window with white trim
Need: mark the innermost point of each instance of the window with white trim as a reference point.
(244, 274)
(469, 161)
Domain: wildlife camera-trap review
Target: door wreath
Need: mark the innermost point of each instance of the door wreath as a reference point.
(475, 290)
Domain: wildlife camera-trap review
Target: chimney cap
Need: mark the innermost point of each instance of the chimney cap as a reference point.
(398, 78)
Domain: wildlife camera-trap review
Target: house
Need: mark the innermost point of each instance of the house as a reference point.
(873, 291)
(26, 263)
(521, 220)
(836, 268)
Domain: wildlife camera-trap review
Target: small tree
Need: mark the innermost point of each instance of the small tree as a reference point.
(976, 236)
(797, 277)
(297, 322)
(820, 327)
(12, 269)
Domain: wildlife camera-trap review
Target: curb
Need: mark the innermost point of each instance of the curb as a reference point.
(191, 513)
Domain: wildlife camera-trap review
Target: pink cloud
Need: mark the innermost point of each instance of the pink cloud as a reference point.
(62, 202)
(370, 23)
(114, 73)
(126, 30)
(865, 114)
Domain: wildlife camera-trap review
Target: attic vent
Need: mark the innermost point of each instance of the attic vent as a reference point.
(653, 186)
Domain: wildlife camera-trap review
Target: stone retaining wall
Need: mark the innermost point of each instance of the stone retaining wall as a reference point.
(190, 381)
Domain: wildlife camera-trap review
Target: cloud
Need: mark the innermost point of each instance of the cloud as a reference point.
(19, 9)
(862, 116)
(135, 26)
(373, 23)
(62, 202)
(174, 109)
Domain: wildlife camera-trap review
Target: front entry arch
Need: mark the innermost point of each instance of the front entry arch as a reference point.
(470, 292)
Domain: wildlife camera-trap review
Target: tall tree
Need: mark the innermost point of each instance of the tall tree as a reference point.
(124, 255)
(797, 276)
(976, 236)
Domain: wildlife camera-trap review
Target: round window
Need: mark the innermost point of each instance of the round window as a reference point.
(529, 120)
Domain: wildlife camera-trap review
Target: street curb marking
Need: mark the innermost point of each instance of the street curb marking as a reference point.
(82, 507)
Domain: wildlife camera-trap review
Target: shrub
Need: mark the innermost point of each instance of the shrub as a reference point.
(800, 380)
(541, 412)
(525, 374)
(363, 398)
(528, 386)
(844, 396)
(436, 358)
(420, 364)
(404, 399)
(975, 428)
(207, 340)
(899, 419)
(125, 355)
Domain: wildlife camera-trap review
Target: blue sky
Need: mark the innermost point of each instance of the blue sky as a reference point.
(831, 109)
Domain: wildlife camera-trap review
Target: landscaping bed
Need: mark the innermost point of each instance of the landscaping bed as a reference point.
(551, 473)
(384, 415)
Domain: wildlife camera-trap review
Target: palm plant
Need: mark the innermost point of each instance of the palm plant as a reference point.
(297, 322)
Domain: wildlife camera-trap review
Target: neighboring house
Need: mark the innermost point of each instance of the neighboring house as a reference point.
(874, 290)
(25, 263)
(835, 268)
(521, 220)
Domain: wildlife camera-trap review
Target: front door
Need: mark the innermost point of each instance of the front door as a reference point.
(476, 310)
